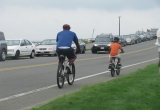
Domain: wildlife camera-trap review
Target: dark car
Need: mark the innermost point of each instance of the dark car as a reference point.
(122, 41)
(102, 43)
(3, 47)
(136, 38)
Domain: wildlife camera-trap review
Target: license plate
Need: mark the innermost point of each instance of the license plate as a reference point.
(102, 47)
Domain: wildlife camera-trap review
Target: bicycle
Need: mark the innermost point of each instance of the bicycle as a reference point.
(115, 67)
(63, 73)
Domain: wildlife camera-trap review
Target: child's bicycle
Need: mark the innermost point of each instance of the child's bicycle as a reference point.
(63, 73)
(114, 66)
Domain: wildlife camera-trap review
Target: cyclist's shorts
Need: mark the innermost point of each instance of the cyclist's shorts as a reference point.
(119, 56)
(69, 52)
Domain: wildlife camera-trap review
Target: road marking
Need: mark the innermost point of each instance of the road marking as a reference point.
(48, 64)
(55, 85)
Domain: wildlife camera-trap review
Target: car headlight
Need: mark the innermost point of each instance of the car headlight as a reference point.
(37, 48)
(95, 44)
(108, 44)
(51, 48)
(10, 50)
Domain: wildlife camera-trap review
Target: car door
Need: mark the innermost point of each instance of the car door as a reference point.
(30, 47)
(23, 48)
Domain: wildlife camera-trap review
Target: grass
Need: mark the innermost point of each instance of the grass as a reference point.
(139, 90)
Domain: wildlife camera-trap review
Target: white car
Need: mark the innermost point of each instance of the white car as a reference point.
(47, 47)
(20, 47)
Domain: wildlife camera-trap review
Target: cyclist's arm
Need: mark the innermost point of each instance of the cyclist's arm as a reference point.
(122, 51)
(77, 43)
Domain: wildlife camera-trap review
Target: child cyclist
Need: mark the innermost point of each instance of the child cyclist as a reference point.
(114, 51)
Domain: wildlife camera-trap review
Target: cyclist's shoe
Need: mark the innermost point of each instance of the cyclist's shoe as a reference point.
(68, 67)
(119, 65)
(109, 67)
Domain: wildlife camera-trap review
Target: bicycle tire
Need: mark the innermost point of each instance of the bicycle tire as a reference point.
(70, 82)
(112, 70)
(118, 71)
(60, 76)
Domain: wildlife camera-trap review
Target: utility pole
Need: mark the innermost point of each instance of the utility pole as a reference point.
(93, 33)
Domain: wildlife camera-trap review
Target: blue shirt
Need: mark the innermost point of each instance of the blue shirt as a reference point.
(65, 38)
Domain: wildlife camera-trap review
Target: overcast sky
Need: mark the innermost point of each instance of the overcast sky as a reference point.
(43, 19)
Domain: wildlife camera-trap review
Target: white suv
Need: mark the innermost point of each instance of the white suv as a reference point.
(20, 47)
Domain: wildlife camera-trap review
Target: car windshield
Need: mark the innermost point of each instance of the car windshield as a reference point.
(49, 42)
(102, 39)
(127, 36)
(13, 42)
(153, 30)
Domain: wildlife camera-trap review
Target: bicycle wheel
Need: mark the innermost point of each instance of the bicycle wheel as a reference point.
(118, 71)
(71, 76)
(60, 76)
(112, 70)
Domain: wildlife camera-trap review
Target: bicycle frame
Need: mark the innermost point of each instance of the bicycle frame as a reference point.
(114, 67)
(62, 72)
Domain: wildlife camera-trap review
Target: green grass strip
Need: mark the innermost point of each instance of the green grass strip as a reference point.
(138, 90)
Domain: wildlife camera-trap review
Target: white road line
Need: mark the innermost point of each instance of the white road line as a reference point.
(55, 85)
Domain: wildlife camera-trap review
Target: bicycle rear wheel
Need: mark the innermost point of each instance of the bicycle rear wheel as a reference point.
(60, 76)
(118, 71)
(71, 76)
(112, 70)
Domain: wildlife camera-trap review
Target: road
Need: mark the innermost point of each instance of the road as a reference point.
(27, 83)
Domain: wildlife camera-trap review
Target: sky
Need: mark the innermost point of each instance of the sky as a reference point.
(37, 20)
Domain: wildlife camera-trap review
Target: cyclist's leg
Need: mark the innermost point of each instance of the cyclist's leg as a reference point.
(119, 60)
(59, 52)
(110, 62)
(110, 59)
(71, 55)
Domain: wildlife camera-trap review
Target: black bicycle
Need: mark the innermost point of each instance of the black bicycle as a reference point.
(115, 67)
(63, 73)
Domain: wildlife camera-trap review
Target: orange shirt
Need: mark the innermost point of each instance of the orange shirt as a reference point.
(115, 49)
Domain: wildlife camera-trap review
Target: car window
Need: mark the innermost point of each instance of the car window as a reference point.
(23, 42)
(102, 39)
(49, 42)
(13, 42)
(27, 42)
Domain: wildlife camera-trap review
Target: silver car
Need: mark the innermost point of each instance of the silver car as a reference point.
(81, 44)
(129, 39)
(47, 47)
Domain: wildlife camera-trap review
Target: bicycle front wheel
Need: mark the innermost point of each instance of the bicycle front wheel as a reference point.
(112, 70)
(60, 76)
(71, 76)
(118, 71)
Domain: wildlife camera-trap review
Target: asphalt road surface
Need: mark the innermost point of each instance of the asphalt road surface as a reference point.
(26, 83)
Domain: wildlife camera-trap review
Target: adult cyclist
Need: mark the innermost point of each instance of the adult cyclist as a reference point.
(64, 41)
(114, 51)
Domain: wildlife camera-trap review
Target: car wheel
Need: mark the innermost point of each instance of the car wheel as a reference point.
(83, 51)
(3, 55)
(32, 54)
(93, 51)
(17, 55)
